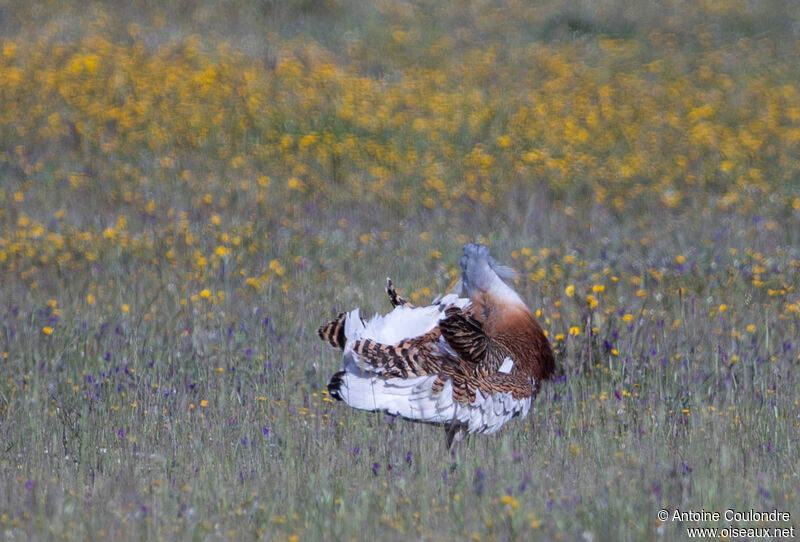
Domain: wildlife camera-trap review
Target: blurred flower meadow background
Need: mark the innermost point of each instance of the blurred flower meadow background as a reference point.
(189, 189)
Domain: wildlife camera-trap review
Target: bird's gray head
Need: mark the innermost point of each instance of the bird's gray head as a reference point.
(479, 271)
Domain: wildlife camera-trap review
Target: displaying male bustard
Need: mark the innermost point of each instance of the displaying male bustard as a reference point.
(469, 363)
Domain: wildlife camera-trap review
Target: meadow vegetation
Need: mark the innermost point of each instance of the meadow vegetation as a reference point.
(189, 189)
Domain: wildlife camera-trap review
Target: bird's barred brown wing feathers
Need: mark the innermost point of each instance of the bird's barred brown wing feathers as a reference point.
(333, 332)
(418, 357)
(466, 336)
(466, 385)
(394, 298)
(408, 358)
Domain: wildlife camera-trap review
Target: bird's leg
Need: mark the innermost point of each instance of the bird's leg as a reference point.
(455, 434)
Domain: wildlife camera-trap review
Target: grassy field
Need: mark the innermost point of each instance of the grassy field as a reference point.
(187, 190)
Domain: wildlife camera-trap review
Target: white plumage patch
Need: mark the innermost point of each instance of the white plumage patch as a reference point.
(413, 398)
(402, 323)
(507, 366)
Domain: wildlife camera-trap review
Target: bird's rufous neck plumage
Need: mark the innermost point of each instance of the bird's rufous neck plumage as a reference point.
(503, 314)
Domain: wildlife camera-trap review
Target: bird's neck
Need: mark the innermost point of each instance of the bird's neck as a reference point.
(513, 326)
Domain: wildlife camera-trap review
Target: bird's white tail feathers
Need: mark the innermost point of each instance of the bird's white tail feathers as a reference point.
(414, 399)
(403, 322)
(408, 397)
